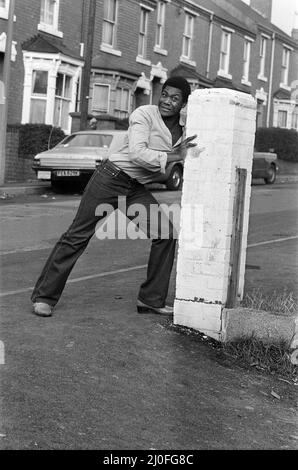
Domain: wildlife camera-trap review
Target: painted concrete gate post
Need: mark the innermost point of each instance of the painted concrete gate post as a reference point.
(214, 208)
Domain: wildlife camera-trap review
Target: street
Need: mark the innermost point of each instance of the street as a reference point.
(99, 376)
(29, 229)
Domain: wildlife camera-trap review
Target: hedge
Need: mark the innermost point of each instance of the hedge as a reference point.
(36, 138)
(284, 142)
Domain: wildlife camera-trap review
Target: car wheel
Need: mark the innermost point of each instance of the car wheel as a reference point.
(174, 181)
(271, 175)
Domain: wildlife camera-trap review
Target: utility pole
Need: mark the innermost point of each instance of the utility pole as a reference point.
(87, 66)
(4, 103)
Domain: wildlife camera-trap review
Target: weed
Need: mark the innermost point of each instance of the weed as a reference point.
(272, 358)
(282, 303)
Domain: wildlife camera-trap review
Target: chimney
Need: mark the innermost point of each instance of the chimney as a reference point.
(264, 7)
(295, 27)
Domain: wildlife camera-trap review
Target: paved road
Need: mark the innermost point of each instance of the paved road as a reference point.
(29, 229)
(98, 376)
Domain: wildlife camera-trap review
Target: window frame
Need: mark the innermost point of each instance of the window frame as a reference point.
(224, 72)
(105, 46)
(285, 68)
(284, 113)
(262, 56)
(143, 35)
(4, 11)
(160, 24)
(62, 98)
(187, 38)
(246, 61)
(48, 28)
(112, 22)
(99, 109)
(119, 111)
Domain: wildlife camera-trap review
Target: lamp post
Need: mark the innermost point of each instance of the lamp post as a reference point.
(5, 87)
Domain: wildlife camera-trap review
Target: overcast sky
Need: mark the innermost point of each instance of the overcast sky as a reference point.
(283, 13)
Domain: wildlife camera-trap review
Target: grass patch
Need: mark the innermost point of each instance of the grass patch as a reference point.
(283, 303)
(271, 358)
(250, 352)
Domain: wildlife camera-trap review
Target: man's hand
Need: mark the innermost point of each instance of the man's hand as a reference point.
(186, 144)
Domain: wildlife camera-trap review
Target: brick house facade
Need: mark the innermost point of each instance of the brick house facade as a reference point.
(137, 45)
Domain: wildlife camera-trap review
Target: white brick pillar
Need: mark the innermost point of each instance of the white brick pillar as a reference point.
(224, 121)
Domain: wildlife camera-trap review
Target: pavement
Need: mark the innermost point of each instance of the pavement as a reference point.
(98, 375)
(39, 187)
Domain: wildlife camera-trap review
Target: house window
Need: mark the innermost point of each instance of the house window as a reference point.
(263, 47)
(187, 36)
(39, 97)
(101, 98)
(50, 87)
(285, 66)
(142, 49)
(110, 23)
(122, 103)
(49, 17)
(62, 100)
(260, 113)
(4, 7)
(160, 29)
(282, 118)
(295, 120)
(224, 57)
(246, 61)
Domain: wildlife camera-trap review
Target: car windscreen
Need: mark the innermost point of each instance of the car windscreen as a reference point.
(87, 140)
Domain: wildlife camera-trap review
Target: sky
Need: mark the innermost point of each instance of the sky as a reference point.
(283, 14)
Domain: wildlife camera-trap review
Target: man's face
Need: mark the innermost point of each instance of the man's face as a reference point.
(171, 101)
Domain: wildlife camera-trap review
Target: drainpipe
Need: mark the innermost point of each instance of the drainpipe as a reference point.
(209, 45)
(6, 81)
(270, 80)
(88, 55)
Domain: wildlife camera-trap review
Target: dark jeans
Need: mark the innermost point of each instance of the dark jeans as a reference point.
(104, 187)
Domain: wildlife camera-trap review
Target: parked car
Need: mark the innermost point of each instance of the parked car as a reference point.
(265, 166)
(75, 158)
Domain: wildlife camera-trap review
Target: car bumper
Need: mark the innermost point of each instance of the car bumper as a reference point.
(46, 174)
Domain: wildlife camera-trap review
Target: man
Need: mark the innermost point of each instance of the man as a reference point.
(93, 123)
(154, 132)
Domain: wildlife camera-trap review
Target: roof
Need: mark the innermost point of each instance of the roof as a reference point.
(259, 19)
(237, 18)
(190, 73)
(48, 45)
(282, 94)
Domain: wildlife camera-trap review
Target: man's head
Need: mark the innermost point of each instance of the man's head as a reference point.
(93, 123)
(174, 96)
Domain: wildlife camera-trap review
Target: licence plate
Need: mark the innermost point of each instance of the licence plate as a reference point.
(67, 173)
(43, 175)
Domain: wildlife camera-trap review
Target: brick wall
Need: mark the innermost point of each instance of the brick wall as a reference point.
(17, 168)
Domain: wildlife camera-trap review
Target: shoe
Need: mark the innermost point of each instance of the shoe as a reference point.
(42, 309)
(144, 308)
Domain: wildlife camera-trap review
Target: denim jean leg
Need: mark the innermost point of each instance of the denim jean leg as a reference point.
(155, 289)
(72, 243)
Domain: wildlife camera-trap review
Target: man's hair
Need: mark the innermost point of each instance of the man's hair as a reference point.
(181, 84)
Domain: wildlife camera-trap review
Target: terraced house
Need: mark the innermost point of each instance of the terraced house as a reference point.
(137, 44)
